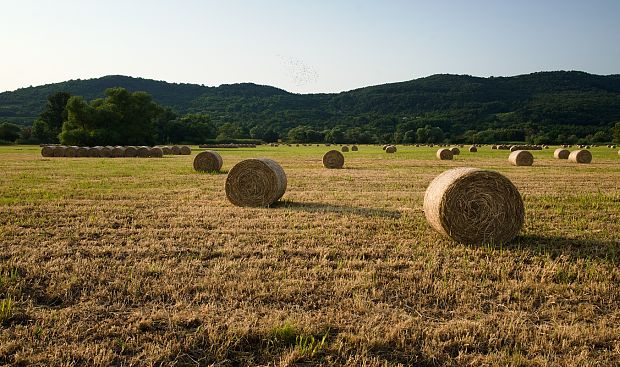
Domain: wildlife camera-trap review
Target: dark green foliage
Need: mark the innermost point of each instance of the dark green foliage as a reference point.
(189, 129)
(122, 118)
(49, 124)
(546, 106)
(9, 132)
(616, 133)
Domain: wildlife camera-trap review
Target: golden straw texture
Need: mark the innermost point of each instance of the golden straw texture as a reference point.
(474, 206)
(521, 158)
(255, 183)
(208, 161)
(333, 159)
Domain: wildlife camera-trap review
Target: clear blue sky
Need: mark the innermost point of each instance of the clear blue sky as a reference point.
(302, 46)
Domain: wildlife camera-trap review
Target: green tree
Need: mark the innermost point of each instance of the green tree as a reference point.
(49, 124)
(616, 133)
(9, 132)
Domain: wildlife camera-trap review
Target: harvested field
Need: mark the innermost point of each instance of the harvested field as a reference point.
(145, 262)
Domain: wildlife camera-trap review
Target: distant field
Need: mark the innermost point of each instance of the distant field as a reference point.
(128, 261)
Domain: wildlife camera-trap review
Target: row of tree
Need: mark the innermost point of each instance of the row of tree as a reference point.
(126, 118)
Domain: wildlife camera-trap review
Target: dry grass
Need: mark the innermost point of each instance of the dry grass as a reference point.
(144, 262)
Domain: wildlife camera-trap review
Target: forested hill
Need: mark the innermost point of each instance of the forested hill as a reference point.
(549, 103)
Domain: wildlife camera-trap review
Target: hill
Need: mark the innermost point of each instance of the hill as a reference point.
(543, 103)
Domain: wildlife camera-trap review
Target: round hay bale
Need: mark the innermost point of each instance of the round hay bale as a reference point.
(455, 151)
(494, 147)
(105, 152)
(390, 149)
(345, 148)
(71, 151)
(561, 153)
(94, 152)
(131, 152)
(444, 154)
(156, 152)
(580, 156)
(118, 152)
(521, 158)
(59, 150)
(255, 183)
(82, 152)
(175, 150)
(354, 148)
(47, 151)
(166, 150)
(473, 149)
(333, 159)
(208, 161)
(185, 150)
(143, 152)
(384, 147)
(474, 206)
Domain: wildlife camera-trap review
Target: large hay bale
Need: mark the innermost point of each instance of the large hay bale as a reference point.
(208, 161)
(131, 152)
(580, 156)
(82, 152)
(185, 150)
(455, 151)
(156, 152)
(47, 151)
(118, 152)
(561, 153)
(143, 152)
(345, 148)
(333, 159)
(354, 148)
(390, 149)
(175, 150)
(473, 149)
(255, 183)
(521, 158)
(474, 206)
(444, 154)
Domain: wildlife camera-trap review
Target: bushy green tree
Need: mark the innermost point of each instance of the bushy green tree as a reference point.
(9, 132)
(616, 133)
(121, 118)
(49, 124)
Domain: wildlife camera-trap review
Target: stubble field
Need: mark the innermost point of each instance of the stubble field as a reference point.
(127, 261)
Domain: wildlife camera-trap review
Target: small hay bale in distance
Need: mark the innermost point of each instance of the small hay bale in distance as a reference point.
(354, 148)
(156, 152)
(82, 152)
(561, 153)
(333, 159)
(390, 149)
(474, 206)
(345, 148)
(444, 154)
(185, 150)
(521, 158)
(167, 150)
(175, 150)
(47, 151)
(143, 152)
(60, 151)
(94, 152)
(118, 152)
(104, 152)
(255, 182)
(473, 149)
(580, 156)
(384, 147)
(455, 151)
(131, 152)
(71, 151)
(208, 161)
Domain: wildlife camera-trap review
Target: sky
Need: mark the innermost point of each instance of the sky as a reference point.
(302, 46)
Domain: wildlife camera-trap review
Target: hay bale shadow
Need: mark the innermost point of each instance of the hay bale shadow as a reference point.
(341, 209)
